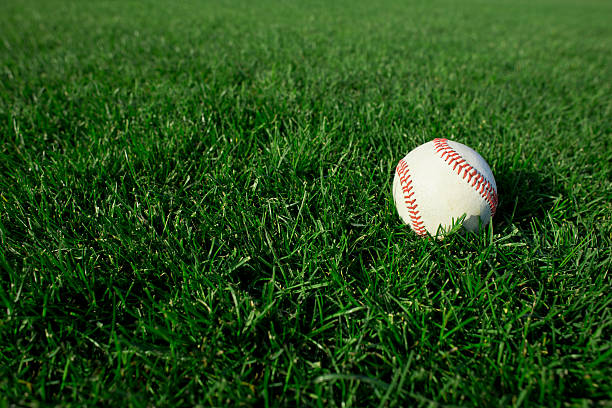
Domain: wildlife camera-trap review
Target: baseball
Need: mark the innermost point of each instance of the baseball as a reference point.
(441, 181)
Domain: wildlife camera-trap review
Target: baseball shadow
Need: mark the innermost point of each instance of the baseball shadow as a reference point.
(524, 194)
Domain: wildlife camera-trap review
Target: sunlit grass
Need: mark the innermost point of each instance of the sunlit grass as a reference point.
(195, 203)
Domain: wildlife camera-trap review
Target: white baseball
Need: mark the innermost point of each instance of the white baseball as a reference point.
(439, 182)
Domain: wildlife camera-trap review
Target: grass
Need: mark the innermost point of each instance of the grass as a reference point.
(195, 203)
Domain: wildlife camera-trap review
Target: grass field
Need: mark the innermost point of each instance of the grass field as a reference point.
(196, 208)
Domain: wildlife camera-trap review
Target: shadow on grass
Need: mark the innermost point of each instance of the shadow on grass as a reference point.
(524, 194)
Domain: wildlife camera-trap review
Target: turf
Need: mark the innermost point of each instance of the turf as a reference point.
(196, 209)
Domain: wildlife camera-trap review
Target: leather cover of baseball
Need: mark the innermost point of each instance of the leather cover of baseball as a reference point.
(440, 181)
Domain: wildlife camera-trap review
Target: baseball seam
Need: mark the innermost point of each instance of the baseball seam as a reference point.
(407, 188)
(473, 176)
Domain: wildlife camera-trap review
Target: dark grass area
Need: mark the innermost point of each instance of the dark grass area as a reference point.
(195, 203)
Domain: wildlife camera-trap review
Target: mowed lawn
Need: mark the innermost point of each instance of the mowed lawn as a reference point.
(196, 207)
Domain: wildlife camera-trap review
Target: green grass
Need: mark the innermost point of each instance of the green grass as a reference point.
(195, 203)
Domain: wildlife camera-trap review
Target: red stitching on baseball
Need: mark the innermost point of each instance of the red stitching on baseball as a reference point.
(480, 183)
(413, 211)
